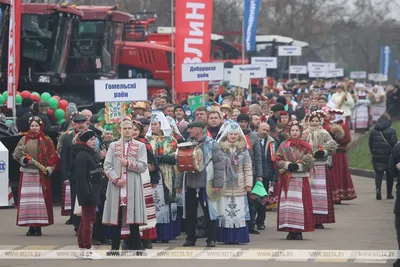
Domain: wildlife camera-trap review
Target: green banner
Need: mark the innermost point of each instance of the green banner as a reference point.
(196, 101)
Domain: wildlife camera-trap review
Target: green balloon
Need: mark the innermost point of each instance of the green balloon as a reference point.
(53, 102)
(18, 99)
(59, 114)
(45, 97)
(60, 121)
(5, 95)
(36, 93)
(2, 99)
(9, 122)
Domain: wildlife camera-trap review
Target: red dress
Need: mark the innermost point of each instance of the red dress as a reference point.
(343, 188)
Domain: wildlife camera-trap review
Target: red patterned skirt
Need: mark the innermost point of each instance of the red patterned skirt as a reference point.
(330, 217)
(66, 205)
(343, 184)
(35, 202)
(295, 212)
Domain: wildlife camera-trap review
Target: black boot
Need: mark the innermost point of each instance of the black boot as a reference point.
(378, 194)
(38, 231)
(189, 243)
(289, 236)
(319, 226)
(31, 231)
(389, 196)
(147, 244)
(299, 236)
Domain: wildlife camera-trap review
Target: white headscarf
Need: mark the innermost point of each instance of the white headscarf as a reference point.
(230, 127)
(172, 123)
(158, 116)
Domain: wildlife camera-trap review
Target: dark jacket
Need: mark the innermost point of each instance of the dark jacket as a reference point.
(23, 115)
(255, 152)
(269, 172)
(66, 172)
(394, 159)
(88, 175)
(379, 148)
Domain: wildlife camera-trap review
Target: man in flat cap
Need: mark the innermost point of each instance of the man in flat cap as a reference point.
(196, 184)
(67, 173)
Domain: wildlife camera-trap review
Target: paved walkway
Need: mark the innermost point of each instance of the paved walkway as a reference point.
(362, 224)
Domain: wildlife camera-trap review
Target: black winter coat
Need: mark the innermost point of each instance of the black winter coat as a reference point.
(88, 175)
(23, 115)
(379, 148)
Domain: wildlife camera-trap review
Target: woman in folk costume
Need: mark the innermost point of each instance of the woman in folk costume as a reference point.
(164, 148)
(232, 228)
(360, 115)
(125, 162)
(378, 102)
(321, 184)
(175, 130)
(149, 180)
(343, 100)
(294, 159)
(37, 155)
(343, 188)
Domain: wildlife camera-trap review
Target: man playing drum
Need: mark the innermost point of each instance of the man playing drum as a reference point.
(202, 187)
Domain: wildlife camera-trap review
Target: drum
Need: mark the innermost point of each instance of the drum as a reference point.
(190, 158)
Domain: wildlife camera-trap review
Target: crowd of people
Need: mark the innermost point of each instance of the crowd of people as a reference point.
(129, 185)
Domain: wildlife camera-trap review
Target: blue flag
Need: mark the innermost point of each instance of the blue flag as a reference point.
(386, 59)
(251, 10)
(397, 63)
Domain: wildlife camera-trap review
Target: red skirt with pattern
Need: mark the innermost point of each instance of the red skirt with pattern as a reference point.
(330, 217)
(343, 184)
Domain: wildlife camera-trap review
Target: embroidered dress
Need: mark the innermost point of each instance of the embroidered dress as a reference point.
(360, 114)
(295, 210)
(164, 193)
(321, 190)
(66, 206)
(232, 228)
(35, 204)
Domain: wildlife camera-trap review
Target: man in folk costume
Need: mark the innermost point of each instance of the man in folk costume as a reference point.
(37, 155)
(321, 184)
(294, 159)
(67, 174)
(201, 188)
(268, 151)
(125, 162)
(254, 147)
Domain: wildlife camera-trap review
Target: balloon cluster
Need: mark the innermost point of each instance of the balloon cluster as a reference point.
(57, 109)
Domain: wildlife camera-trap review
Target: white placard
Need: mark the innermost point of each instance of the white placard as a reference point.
(203, 72)
(298, 69)
(317, 73)
(120, 90)
(316, 66)
(377, 77)
(358, 75)
(289, 50)
(227, 74)
(270, 62)
(330, 66)
(334, 73)
(241, 79)
(254, 71)
(4, 170)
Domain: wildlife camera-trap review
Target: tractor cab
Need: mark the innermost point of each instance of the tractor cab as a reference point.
(96, 55)
(46, 32)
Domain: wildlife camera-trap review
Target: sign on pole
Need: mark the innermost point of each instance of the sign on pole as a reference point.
(298, 69)
(254, 71)
(316, 66)
(386, 59)
(120, 90)
(334, 73)
(270, 62)
(317, 73)
(330, 66)
(358, 75)
(203, 72)
(377, 77)
(289, 50)
(241, 79)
